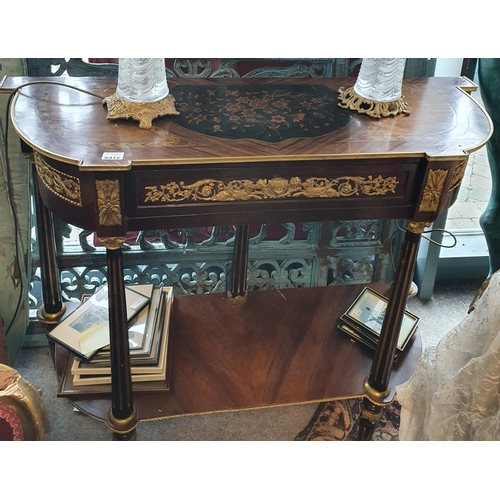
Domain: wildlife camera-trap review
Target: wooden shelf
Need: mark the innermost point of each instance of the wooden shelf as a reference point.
(278, 348)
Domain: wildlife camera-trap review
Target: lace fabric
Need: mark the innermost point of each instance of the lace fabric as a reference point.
(453, 395)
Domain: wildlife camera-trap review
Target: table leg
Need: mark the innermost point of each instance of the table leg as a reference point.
(377, 391)
(53, 307)
(240, 265)
(122, 414)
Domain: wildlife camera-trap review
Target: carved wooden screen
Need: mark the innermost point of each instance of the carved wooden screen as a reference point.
(198, 260)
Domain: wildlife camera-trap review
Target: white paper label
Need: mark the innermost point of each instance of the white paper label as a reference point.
(112, 156)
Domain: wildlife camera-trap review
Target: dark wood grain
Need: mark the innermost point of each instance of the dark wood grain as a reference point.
(278, 348)
(70, 129)
(79, 132)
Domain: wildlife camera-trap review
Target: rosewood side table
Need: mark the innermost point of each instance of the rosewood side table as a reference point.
(244, 151)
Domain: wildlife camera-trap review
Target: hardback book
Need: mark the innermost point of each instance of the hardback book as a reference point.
(86, 329)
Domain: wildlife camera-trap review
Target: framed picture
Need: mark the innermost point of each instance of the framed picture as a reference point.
(148, 319)
(86, 330)
(367, 313)
(362, 338)
(89, 373)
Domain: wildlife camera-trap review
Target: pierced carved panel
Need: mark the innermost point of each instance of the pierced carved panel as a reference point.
(198, 278)
(345, 270)
(269, 274)
(357, 232)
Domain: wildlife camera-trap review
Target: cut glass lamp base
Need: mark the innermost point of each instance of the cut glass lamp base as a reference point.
(144, 113)
(350, 100)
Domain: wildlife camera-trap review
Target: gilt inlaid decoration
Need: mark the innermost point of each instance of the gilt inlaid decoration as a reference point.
(108, 202)
(433, 190)
(269, 113)
(265, 189)
(64, 186)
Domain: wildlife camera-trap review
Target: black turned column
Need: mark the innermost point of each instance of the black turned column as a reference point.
(240, 265)
(53, 307)
(122, 415)
(377, 392)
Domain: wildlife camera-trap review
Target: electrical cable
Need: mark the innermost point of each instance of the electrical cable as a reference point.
(7, 175)
(430, 240)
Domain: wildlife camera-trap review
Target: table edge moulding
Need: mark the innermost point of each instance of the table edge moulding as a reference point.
(244, 151)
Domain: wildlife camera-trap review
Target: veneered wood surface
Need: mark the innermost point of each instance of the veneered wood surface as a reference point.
(278, 348)
(445, 122)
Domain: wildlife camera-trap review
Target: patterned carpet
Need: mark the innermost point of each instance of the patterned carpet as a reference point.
(339, 421)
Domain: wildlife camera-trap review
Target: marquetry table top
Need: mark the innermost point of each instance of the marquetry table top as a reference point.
(227, 121)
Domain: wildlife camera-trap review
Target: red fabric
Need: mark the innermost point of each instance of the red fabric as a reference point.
(10, 425)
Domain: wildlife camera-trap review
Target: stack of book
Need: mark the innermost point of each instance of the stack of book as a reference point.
(363, 321)
(85, 333)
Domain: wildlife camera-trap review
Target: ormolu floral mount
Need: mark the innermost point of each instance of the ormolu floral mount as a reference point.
(144, 113)
(142, 92)
(350, 100)
(378, 89)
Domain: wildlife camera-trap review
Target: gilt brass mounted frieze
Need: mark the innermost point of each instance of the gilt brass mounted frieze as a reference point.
(433, 190)
(266, 189)
(108, 202)
(62, 185)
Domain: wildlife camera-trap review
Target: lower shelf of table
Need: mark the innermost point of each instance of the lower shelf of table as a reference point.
(277, 348)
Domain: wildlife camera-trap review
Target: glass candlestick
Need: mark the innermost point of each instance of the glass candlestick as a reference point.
(378, 88)
(142, 91)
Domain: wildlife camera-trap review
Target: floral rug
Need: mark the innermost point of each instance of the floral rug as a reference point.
(339, 421)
